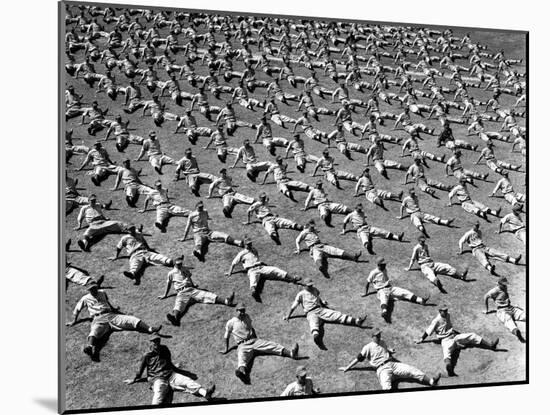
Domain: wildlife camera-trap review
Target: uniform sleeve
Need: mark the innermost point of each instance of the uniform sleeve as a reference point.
(297, 300)
(431, 328)
(122, 242)
(288, 390)
(465, 238)
(80, 305)
(492, 293)
(453, 191)
(347, 218)
(253, 207)
(228, 329)
(365, 352)
(238, 258)
(506, 219)
(371, 276)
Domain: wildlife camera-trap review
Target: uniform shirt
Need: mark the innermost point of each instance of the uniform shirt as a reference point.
(326, 163)
(199, 221)
(94, 305)
(248, 257)
(158, 364)
(337, 136)
(488, 153)
(241, 330)
(365, 183)
(228, 114)
(189, 165)
(310, 238)
(454, 163)
(152, 147)
(98, 157)
(410, 205)
(297, 148)
(416, 171)
(247, 154)
(441, 326)
(279, 172)
(461, 193)
(318, 196)
(500, 297)
(261, 210)
(159, 197)
(132, 243)
(377, 152)
(90, 214)
(358, 220)
(421, 254)
(128, 176)
(473, 238)
(504, 185)
(309, 300)
(264, 130)
(513, 221)
(376, 354)
(379, 279)
(295, 389)
(180, 278)
(411, 145)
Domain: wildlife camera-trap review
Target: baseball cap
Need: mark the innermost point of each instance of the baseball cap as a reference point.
(421, 239)
(158, 183)
(381, 261)
(178, 261)
(240, 306)
(152, 134)
(154, 337)
(311, 222)
(92, 285)
(516, 208)
(247, 240)
(319, 183)
(301, 371)
(443, 308)
(188, 151)
(503, 280)
(309, 282)
(92, 196)
(224, 170)
(376, 332)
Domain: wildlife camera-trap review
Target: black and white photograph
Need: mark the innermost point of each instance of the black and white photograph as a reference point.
(259, 207)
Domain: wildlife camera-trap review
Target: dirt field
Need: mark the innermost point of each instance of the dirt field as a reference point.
(196, 343)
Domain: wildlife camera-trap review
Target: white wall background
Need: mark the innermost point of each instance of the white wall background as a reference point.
(28, 359)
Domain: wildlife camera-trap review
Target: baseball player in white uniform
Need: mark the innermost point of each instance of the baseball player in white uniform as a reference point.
(366, 232)
(202, 235)
(188, 293)
(285, 185)
(319, 251)
(481, 252)
(388, 369)
(302, 386)
(139, 253)
(189, 167)
(248, 344)
(461, 192)
(507, 313)
(514, 224)
(507, 190)
(325, 207)
(105, 319)
(318, 312)
(326, 163)
(429, 268)
(98, 223)
(133, 185)
(257, 271)
(452, 341)
(411, 205)
(226, 189)
(157, 158)
(270, 221)
(372, 194)
(164, 207)
(386, 292)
